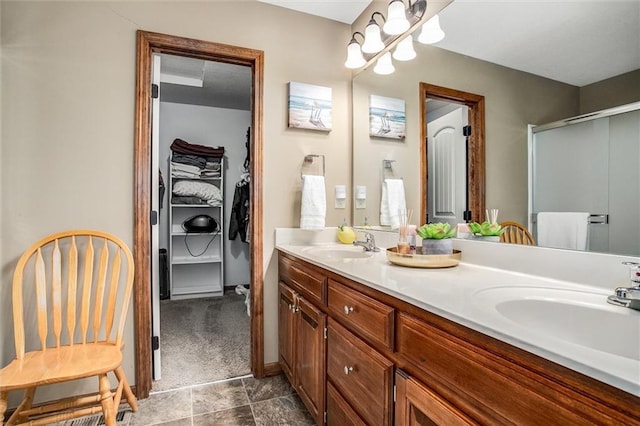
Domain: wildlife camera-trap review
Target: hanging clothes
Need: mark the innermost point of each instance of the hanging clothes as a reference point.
(239, 222)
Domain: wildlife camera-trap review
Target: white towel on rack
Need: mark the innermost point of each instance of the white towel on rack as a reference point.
(314, 202)
(392, 202)
(569, 230)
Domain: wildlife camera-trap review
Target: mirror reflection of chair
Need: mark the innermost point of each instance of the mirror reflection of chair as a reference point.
(515, 233)
(69, 313)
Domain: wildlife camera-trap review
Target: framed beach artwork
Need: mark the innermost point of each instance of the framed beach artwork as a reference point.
(309, 107)
(386, 117)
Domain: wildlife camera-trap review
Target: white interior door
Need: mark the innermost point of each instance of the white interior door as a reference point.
(446, 151)
(155, 207)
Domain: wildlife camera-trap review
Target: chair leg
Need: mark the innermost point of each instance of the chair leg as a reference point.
(128, 394)
(3, 405)
(26, 403)
(108, 410)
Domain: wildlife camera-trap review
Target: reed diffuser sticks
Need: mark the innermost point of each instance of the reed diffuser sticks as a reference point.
(492, 215)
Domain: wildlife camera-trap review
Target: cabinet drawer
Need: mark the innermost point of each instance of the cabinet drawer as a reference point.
(493, 388)
(371, 319)
(339, 412)
(362, 376)
(307, 282)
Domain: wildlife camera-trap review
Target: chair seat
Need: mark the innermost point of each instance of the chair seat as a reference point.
(58, 365)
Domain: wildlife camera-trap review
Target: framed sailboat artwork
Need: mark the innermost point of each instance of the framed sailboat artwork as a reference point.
(387, 117)
(309, 107)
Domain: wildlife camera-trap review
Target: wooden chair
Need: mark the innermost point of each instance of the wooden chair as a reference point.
(63, 316)
(515, 233)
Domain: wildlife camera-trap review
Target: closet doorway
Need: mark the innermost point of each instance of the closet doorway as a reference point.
(150, 220)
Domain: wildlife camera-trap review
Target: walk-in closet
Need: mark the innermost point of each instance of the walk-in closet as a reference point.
(201, 323)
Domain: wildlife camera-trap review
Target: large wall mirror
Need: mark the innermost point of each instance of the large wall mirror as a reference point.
(513, 101)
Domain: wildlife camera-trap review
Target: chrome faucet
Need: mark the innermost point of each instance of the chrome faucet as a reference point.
(628, 297)
(369, 243)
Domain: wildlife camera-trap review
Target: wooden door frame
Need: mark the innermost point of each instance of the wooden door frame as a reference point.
(147, 44)
(476, 171)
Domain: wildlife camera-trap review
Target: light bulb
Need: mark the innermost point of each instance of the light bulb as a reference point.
(397, 22)
(372, 40)
(354, 56)
(404, 50)
(431, 31)
(384, 65)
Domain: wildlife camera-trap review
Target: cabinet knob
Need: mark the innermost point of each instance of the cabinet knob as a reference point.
(348, 370)
(348, 310)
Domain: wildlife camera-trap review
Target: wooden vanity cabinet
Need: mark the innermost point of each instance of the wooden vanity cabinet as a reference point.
(444, 372)
(417, 405)
(302, 347)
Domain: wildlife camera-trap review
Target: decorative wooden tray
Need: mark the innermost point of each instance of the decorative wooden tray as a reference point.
(420, 260)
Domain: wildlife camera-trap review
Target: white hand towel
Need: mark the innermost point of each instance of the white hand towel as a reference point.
(392, 202)
(569, 230)
(314, 202)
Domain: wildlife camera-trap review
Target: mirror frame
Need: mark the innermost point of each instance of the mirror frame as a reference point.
(476, 148)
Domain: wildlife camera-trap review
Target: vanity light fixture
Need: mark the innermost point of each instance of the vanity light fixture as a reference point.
(397, 22)
(384, 65)
(372, 38)
(404, 50)
(397, 30)
(431, 32)
(354, 53)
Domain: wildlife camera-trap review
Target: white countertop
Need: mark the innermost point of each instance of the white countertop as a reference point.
(469, 295)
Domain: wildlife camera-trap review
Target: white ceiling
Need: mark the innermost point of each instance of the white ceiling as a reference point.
(345, 11)
(573, 41)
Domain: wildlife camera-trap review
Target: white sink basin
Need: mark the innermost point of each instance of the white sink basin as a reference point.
(339, 252)
(580, 317)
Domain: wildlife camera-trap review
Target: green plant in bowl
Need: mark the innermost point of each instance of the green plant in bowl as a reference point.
(435, 231)
(485, 229)
(436, 238)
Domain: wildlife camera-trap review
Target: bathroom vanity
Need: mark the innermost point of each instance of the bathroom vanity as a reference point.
(368, 343)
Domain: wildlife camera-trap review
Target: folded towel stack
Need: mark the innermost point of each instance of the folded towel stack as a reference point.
(314, 202)
(392, 202)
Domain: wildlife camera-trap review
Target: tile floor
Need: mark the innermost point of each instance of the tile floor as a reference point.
(237, 402)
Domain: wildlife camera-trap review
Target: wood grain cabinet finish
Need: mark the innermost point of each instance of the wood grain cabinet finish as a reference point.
(368, 317)
(302, 347)
(286, 337)
(339, 412)
(447, 374)
(417, 405)
(361, 374)
(303, 279)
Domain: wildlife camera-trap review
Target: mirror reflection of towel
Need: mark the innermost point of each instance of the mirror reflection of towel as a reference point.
(392, 202)
(568, 230)
(314, 202)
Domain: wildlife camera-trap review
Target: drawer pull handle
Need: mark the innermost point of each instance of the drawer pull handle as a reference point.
(348, 310)
(348, 370)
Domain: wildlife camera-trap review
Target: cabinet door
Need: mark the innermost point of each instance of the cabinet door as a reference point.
(417, 405)
(310, 367)
(286, 322)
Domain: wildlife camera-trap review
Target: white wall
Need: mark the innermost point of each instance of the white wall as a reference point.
(212, 127)
(69, 78)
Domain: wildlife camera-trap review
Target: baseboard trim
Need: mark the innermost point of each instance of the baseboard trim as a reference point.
(272, 369)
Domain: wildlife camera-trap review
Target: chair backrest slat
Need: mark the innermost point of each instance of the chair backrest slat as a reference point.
(93, 311)
(99, 301)
(113, 291)
(516, 234)
(86, 289)
(72, 289)
(56, 289)
(41, 299)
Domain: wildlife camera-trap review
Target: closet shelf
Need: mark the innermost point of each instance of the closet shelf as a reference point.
(188, 260)
(192, 206)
